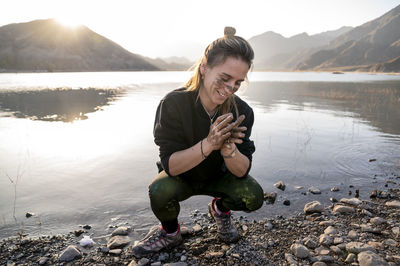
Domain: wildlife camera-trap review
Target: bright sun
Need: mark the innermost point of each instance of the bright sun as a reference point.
(68, 21)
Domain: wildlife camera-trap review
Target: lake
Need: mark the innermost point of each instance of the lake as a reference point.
(77, 148)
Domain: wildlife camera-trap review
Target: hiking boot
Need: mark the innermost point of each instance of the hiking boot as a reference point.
(156, 240)
(225, 227)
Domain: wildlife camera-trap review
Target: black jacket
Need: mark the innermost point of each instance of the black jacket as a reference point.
(181, 122)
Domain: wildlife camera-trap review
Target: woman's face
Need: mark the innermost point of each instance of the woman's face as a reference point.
(221, 81)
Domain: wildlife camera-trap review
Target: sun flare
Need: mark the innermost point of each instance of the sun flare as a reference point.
(68, 21)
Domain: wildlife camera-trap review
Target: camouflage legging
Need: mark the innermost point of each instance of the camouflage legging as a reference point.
(238, 194)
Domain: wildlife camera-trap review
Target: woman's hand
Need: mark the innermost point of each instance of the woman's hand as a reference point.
(235, 137)
(220, 131)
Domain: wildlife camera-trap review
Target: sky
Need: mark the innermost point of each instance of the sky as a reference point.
(162, 28)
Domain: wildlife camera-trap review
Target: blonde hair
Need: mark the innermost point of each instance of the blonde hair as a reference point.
(216, 53)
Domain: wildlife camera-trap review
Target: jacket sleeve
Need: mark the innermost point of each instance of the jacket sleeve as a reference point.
(168, 131)
(248, 147)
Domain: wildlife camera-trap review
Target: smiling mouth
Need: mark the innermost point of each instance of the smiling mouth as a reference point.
(222, 94)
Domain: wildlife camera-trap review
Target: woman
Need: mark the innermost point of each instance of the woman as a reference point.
(203, 132)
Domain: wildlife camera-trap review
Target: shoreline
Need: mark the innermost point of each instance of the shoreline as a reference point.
(325, 236)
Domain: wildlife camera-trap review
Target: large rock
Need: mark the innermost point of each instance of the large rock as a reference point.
(313, 207)
(118, 242)
(358, 247)
(69, 254)
(369, 258)
(343, 209)
(353, 201)
(299, 251)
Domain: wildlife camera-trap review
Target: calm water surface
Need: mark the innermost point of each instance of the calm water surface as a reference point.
(77, 148)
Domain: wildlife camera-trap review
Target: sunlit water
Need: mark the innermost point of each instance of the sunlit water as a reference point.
(77, 148)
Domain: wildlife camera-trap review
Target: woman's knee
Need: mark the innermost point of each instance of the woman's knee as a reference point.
(248, 195)
(162, 189)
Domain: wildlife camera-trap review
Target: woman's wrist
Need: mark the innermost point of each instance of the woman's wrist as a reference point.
(231, 155)
(228, 152)
(205, 148)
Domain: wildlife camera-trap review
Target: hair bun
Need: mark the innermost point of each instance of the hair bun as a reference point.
(229, 32)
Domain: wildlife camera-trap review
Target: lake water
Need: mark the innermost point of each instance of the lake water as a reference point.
(77, 148)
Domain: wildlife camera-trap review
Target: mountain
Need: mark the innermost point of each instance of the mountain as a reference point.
(45, 45)
(374, 42)
(173, 63)
(273, 51)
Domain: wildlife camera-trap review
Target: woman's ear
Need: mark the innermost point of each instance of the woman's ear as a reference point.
(202, 69)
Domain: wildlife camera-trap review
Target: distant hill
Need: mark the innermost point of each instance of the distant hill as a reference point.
(273, 51)
(45, 45)
(374, 45)
(173, 63)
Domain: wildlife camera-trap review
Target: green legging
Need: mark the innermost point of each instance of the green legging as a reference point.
(238, 194)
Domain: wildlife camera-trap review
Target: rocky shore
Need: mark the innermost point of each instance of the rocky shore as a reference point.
(351, 231)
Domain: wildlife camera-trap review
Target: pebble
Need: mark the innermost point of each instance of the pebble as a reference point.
(217, 254)
(313, 207)
(290, 259)
(325, 240)
(330, 230)
(338, 240)
(87, 227)
(357, 247)
(352, 235)
(43, 260)
(336, 250)
(310, 243)
(325, 258)
(197, 229)
(350, 258)
(353, 201)
(335, 189)
(299, 251)
(314, 190)
(286, 202)
(143, 261)
(115, 251)
(118, 242)
(390, 242)
(343, 209)
(394, 203)
(121, 231)
(369, 258)
(319, 263)
(377, 220)
(280, 185)
(270, 197)
(69, 254)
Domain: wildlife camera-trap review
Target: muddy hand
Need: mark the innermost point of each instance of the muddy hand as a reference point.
(220, 131)
(236, 133)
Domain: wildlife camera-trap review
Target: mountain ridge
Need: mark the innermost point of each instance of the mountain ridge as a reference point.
(45, 45)
(374, 42)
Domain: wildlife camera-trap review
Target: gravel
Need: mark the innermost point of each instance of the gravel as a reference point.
(367, 235)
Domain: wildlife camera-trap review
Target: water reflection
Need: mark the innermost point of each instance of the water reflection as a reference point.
(61, 104)
(378, 104)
